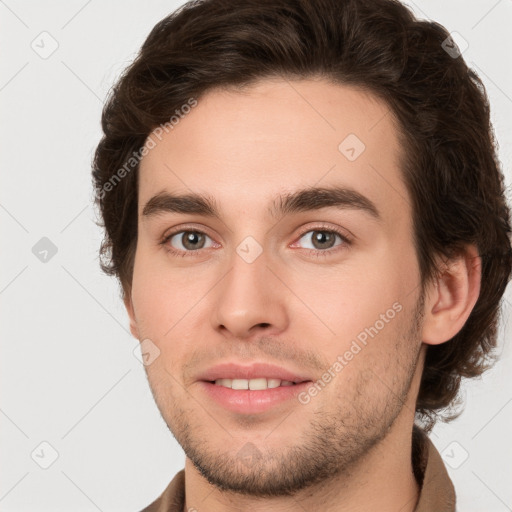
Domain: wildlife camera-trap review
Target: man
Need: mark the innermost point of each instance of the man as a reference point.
(303, 205)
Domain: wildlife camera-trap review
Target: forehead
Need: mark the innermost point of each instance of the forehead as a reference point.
(245, 147)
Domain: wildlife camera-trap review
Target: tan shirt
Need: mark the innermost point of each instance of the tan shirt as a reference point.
(437, 493)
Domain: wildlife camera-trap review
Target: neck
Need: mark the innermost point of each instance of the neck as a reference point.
(382, 480)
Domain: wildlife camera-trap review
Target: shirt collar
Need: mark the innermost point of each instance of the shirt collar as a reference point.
(437, 491)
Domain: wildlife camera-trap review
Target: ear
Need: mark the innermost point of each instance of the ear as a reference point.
(129, 308)
(452, 296)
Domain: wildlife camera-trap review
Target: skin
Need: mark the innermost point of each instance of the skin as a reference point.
(349, 448)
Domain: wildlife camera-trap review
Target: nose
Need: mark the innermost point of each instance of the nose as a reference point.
(250, 301)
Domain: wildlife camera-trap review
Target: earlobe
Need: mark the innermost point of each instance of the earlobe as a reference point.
(131, 314)
(451, 298)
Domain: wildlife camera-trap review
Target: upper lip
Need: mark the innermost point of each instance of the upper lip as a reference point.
(251, 371)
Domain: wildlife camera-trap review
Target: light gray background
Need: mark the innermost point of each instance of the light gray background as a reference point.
(68, 373)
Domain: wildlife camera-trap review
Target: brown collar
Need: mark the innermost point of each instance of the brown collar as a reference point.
(437, 492)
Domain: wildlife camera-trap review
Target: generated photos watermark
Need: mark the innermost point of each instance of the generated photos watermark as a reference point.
(149, 144)
(343, 360)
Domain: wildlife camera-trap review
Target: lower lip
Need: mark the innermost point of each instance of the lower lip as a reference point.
(247, 401)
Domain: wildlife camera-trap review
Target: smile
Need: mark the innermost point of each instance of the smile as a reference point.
(253, 384)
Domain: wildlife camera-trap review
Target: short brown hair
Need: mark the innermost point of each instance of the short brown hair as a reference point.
(449, 163)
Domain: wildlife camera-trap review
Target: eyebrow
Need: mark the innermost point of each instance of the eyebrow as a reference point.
(303, 200)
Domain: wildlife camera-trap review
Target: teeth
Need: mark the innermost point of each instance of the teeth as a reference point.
(253, 384)
(258, 383)
(273, 383)
(239, 384)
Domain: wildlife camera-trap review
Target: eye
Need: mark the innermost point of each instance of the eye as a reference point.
(323, 240)
(190, 242)
(186, 241)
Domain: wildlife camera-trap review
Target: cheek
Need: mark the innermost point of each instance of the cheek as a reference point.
(160, 296)
(170, 308)
(364, 315)
(339, 304)
(372, 367)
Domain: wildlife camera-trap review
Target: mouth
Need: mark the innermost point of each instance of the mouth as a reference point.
(257, 384)
(252, 389)
(236, 396)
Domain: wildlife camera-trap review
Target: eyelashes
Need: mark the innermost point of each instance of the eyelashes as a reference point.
(166, 242)
(201, 235)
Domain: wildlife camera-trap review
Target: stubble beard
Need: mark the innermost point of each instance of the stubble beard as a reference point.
(329, 447)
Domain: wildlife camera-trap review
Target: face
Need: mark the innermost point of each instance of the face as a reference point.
(283, 326)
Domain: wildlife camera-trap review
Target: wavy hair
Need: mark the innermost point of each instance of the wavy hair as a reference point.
(449, 162)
